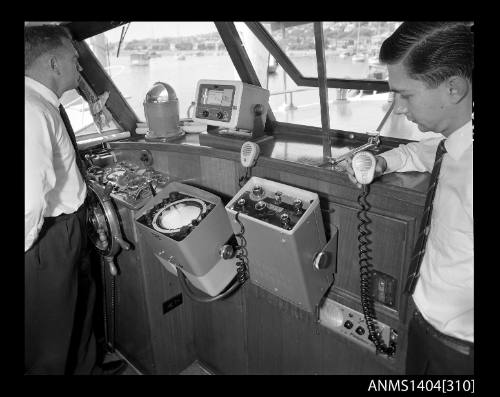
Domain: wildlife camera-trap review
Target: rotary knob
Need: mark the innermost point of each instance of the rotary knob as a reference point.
(360, 330)
(258, 191)
(260, 206)
(205, 113)
(220, 115)
(240, 203)
(348, 324)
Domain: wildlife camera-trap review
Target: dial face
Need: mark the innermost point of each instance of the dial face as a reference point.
(172, 217)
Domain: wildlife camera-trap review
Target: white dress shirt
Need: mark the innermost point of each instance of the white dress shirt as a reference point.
(444, 293)
(52, 182)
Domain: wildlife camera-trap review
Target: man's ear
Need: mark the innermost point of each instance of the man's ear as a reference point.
(54, 64)
(457, 88)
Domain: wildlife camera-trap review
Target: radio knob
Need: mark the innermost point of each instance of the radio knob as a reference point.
(220, 115)
(260, 206)
(241, 203)
(360, 330)
(348, 324)
(205, 113)
(258, 191)
(226, 251)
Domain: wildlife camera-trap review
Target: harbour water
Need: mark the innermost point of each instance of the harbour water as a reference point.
(183, 74)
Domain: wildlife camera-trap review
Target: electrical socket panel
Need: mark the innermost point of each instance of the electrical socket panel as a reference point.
(351, 324)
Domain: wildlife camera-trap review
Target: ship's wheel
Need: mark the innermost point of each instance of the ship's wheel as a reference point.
(103, 225)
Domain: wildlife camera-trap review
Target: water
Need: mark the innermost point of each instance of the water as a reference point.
(135, 81)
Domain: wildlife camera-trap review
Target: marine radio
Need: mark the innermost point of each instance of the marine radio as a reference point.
(229, 104)
(287, 249)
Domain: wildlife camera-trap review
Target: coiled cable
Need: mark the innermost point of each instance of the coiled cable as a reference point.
(241, 252)
(243, 179)
(365, 271)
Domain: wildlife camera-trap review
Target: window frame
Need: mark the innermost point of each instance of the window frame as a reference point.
(125, 116)
(277, 52)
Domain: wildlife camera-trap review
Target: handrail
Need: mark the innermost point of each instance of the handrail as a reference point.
(292, 91)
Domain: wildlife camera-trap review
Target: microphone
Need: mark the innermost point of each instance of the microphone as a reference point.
(249, 153)
(363, 164)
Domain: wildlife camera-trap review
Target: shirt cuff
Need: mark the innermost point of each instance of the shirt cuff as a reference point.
(393, 161)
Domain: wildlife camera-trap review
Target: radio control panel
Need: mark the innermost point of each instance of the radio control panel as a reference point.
(268, 203)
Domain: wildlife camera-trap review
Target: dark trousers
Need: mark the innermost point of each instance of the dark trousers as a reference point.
(432, 353)
(59, 299)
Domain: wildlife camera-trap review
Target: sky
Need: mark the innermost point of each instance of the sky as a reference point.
(142, 30)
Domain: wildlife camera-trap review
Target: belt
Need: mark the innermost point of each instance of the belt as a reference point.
(50, 220)
(459, 345)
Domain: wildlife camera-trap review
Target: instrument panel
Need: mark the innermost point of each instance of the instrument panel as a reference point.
(131, 183)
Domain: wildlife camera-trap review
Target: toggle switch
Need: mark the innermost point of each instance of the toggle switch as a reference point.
(297, 205)
(277, 197)
(285, 220)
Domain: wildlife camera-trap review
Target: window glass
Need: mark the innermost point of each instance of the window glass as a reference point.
(296, 39)
(175, 53)
(78, 113)
(352, 48)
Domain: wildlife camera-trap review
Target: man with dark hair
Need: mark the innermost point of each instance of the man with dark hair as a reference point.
(430, 68)
(59, 287)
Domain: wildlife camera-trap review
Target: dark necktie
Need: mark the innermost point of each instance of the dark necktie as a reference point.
(419, 250)
(71, 134)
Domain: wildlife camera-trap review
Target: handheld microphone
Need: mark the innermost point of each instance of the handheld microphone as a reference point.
(249, 153)
(363, 164)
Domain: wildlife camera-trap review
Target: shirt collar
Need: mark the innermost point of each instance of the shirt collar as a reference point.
(458, 142)
(44, 91)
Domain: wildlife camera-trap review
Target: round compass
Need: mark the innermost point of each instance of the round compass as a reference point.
(171, 218)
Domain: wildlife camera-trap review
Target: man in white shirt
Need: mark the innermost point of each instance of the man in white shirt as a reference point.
(59, 287)
(430, 69)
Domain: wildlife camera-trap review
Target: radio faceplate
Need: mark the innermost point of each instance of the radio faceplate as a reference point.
(276, 204)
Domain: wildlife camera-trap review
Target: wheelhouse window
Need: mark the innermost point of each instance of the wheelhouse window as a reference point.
(176, 53)
(283, 56)
(351, 56)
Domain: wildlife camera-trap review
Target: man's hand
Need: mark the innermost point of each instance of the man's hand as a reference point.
(380, 167)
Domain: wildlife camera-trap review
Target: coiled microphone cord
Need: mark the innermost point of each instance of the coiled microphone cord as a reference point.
(365, 271)
(241, 252)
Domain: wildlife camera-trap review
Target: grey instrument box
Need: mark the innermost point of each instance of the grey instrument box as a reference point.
(280, 260)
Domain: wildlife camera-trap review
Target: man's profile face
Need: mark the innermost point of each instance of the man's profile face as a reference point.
(69, 66)
(427, 107)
